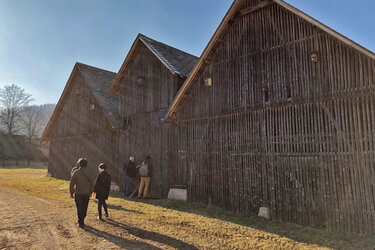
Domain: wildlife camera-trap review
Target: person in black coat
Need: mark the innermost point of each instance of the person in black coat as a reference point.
(101, 189)
(130, 175)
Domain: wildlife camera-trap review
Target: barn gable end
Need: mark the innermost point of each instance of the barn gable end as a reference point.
(83, 123)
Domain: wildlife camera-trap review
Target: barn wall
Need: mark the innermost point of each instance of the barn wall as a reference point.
(81, 132)
(96, 148)
(159, 91)
(278, 130)
(145, 135)
(143, 110)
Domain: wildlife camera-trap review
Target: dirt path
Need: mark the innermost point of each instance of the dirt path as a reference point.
(29, 222)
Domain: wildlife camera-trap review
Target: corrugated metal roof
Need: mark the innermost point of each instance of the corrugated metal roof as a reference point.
(100, 81)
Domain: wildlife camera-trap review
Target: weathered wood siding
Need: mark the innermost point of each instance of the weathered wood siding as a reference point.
(278, 130)
(142, 110)
(81, 132)
(160, 89)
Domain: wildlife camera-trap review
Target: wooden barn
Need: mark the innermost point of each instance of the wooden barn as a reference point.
(279, 113)
(146, 84)
(85, 124)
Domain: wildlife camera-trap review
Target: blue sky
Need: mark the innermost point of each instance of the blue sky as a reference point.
(40, 40)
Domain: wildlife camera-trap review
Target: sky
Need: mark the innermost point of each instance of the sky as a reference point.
(40, 40)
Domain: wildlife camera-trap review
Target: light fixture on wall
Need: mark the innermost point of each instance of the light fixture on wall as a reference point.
(208, 82)
(142, 81)
(314, 56)
(92, 106)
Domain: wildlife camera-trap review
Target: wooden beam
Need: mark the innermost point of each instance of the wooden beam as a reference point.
(252, 9)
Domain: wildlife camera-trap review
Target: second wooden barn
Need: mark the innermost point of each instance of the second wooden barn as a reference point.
(85, 124)
(279, 113)
(146, 83)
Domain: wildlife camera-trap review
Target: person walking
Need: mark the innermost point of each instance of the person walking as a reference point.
(145, 171)
(130, 173)
(101, 189)
(81, 185)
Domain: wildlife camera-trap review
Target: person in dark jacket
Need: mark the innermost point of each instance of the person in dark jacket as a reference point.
(81, 184)
(130, 173)
(145, 171)
(101, 189)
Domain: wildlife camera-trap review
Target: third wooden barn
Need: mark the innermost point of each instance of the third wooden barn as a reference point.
(279, 112)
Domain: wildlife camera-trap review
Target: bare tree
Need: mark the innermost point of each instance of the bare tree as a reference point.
(12, 101)
(31, 118)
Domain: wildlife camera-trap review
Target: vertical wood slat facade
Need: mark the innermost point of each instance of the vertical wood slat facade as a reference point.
(278, 130)
(77, 131)
(143, 109)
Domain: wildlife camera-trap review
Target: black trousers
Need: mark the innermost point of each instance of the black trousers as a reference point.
(82, 202)
(101, 202)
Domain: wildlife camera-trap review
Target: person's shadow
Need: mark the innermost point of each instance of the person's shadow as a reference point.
(119, 241)
(120, 208)
(153, 236)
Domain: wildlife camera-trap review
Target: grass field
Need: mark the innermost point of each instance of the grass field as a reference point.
(185, 223)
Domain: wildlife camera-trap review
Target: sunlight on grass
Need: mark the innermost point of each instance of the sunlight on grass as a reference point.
(192, 223)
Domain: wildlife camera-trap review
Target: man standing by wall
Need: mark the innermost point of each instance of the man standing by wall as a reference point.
(81, 184)
(130, 173)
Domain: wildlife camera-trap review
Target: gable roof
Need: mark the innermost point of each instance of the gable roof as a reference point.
(224, 26)
(177, 61)
(99, 81)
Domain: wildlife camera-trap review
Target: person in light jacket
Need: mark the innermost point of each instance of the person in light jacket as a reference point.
(81, 185)
(145, 171)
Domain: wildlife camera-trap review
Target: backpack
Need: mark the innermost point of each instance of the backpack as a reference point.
(143, 171)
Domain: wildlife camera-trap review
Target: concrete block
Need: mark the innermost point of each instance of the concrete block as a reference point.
(177, 194)
(114, 186)
(264, 212)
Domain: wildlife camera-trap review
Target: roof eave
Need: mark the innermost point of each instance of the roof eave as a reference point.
(219, 31)
(45, 137)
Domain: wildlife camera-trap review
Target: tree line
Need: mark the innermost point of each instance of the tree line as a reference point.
(21, 124)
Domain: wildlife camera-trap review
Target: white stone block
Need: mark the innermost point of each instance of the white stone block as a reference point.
(114, 187)
(264, 212)
(177, 194)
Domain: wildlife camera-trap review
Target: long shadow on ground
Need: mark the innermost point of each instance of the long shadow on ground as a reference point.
(119, 241)
(148, 235)
(120, 208)
(292, 231)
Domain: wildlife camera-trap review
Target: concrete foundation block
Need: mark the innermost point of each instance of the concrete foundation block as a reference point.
(264, 212)
(177, 194)
(114, 187)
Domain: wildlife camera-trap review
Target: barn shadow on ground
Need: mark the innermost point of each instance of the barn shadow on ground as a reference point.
(119, 241)
(143, 234)
(295, 232)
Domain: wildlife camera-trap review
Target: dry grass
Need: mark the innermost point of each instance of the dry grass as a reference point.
(185, 225)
